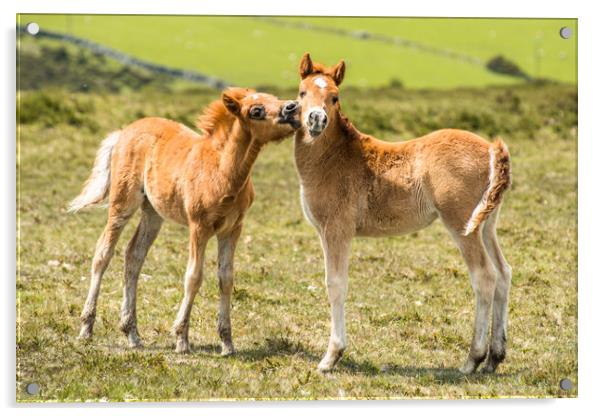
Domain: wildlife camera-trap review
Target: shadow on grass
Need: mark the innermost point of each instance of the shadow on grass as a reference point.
(271, 347)
(276, 346)
(282, 346)
(439, 375)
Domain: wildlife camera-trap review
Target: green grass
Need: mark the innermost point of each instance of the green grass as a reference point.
(410, 305)
(534, 44)
(249, 52)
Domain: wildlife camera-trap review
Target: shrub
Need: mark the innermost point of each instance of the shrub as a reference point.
(50, 109)
(504, 66)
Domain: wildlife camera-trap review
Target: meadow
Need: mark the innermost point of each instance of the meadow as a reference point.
(410, 304)
(533, 44)
(255, 51)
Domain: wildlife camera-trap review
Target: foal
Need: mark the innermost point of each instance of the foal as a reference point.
(355, 185)
(204, 182)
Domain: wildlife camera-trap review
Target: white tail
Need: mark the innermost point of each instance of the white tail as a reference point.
(499, 181)
(472, 222)
(97, 186)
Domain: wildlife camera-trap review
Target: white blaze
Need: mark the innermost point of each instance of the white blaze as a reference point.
(319, 81)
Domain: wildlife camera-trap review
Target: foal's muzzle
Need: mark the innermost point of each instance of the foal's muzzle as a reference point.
(316, 122)
(288, 114)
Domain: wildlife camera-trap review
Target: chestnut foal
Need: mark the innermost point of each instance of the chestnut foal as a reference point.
(202, 181)
(355, 185)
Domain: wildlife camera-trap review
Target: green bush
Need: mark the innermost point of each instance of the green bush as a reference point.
(51, 109)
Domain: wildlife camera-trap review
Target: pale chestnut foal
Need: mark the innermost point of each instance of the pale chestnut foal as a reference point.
(355, 185)
(202, 181)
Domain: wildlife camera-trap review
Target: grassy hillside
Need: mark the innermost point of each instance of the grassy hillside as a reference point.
(250, 51)
(410, 305)
(533, 44)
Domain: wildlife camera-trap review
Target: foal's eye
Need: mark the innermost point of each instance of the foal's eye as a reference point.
(257, 112)
(302, 94)
(335, 99)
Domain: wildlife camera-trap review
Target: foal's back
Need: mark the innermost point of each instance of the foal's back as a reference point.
(156, 158)
(409, 184)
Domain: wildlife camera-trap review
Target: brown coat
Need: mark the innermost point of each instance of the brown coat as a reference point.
(199, 180)
(353, 184)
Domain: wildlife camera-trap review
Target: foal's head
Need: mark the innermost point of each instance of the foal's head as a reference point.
(319, 94)
(264, 116)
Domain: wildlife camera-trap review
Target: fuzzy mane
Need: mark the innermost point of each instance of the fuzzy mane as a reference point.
(216, 115)
(348, 128)
(319, 68)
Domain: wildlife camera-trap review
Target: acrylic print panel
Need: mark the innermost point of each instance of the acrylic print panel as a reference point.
(101, 319)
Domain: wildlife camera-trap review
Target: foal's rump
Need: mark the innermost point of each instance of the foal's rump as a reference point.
(125, 155)
(152, 160)
(467, 176)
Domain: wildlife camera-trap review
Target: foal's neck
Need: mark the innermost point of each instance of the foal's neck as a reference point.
(312, 156)
(239, 152)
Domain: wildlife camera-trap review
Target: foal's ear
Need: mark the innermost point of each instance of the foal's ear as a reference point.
(338, 72)
(306, 66)
(231, 103)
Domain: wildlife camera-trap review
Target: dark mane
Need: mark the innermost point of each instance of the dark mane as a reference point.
(216, 115)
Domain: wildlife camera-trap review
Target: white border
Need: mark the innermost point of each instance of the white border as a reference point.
(458, 8)
(590, 281)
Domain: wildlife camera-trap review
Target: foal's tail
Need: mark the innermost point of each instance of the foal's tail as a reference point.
(500, 178)
(96, 188)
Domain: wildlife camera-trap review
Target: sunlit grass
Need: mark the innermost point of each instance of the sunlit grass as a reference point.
(410, 304)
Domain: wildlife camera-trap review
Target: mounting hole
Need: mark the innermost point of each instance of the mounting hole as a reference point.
(32, 389)
(566, 384)
(32, 28)
(566, 32)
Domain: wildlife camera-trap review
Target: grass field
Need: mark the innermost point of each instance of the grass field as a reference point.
(247, 51)
(533, 44)
(410, 305)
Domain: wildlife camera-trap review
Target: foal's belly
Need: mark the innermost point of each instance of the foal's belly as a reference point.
(168, 206)
(384, 226)
(394, 214)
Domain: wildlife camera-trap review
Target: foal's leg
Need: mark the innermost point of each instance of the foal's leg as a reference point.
(147, 231)
(225, 274)
(497, 348)
(104, 252)
(192, 283)
(336, 259)
(483, 279)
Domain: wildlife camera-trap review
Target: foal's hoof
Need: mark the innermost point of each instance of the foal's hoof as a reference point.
(182, 347)
(489, 368)
(329, 361)
(85, 335)
(468, 368)
(134, 342)
(472, 362)
(324, 368)
(494, 359)
(492, 364)
(227, 350)
(84, 340)
(138, 345)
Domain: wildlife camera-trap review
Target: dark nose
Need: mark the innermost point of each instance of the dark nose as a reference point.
(318, 117)
(290, 108)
